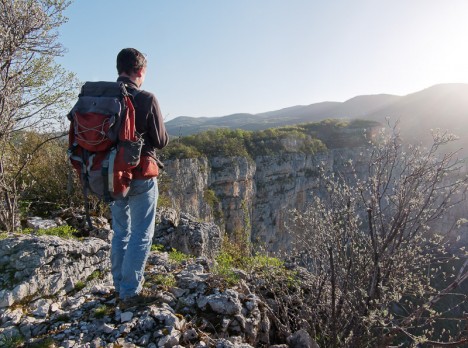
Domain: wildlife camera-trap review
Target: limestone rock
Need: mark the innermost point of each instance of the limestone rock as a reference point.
(126, 316)
(195, 313)
(39, 223)
(45, 265)
(223, 303)
(223, 343)
(167, 217)
(41, 307)
(189, 236)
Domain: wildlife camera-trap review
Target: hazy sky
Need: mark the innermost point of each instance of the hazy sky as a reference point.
(218, 57)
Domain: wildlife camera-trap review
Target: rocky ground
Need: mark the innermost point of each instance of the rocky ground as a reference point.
(57, 292)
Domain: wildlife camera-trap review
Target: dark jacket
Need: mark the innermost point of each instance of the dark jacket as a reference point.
(149, 124)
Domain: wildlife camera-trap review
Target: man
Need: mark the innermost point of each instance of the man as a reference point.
(133, 218)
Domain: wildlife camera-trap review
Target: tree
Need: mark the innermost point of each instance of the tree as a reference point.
(34, 90)
(368, 243)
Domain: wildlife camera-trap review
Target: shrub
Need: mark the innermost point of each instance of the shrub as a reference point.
(179, 150)
(236, 254)
(214, 203)
(225, 264)
(368, 246)
(48, 183)
(165, 280)
(157, 247)
(231, 143)
(178, 256)
(64, 231)
(79, 286)
(97, 274)
(101, 311)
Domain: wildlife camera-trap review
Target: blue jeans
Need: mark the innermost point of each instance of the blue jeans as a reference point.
(133, 220)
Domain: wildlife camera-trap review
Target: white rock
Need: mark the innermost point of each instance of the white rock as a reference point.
(223, 303)
(146, 323)
(100, 289)
(73, 303)
(190, 335)
(54, 307)
(39, 223)
(107, 328)
(21, 291)
(301, 339)
(59, 221)
(250, 305)
(40, 308)
(178, 292)
(170, 340)
(6, 298)
(68, 344)
(144, 340)
(13, 315)
(126, 316)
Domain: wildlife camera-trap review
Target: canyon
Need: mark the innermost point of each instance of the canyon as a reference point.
(255, 197)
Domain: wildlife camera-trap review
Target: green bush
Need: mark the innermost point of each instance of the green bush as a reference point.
(214, 203)
(47, 175)
(219, 142)
(48, 182)
(178, 256)
(79, 286)
(65, 231)
(165, 280)
(225, 263)
(97, 274)
(235, 254)
(101, 311)
(229, 143)
(180, 150)
(157, 247)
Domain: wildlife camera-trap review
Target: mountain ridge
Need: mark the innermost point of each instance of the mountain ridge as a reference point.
(439, 106)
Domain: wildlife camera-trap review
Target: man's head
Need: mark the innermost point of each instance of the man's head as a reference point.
(132, 63)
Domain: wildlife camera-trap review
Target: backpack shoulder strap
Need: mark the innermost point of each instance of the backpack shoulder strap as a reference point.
(132, 92)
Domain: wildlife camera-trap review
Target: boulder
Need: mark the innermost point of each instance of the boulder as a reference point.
(186, 234)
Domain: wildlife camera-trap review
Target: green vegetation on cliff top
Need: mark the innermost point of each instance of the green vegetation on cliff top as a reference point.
(308, 138)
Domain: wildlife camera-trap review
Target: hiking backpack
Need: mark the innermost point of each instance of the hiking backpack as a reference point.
(104, 146)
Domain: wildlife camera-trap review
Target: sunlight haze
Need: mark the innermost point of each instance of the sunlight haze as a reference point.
(215, 58)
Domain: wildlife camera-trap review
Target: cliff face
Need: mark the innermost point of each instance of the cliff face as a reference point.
(219, 189)
(283, 183)
(254, 198)
(251, 197)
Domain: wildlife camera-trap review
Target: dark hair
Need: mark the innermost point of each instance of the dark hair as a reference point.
(130, 60)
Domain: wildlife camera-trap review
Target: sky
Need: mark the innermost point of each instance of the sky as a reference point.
(220, 57)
